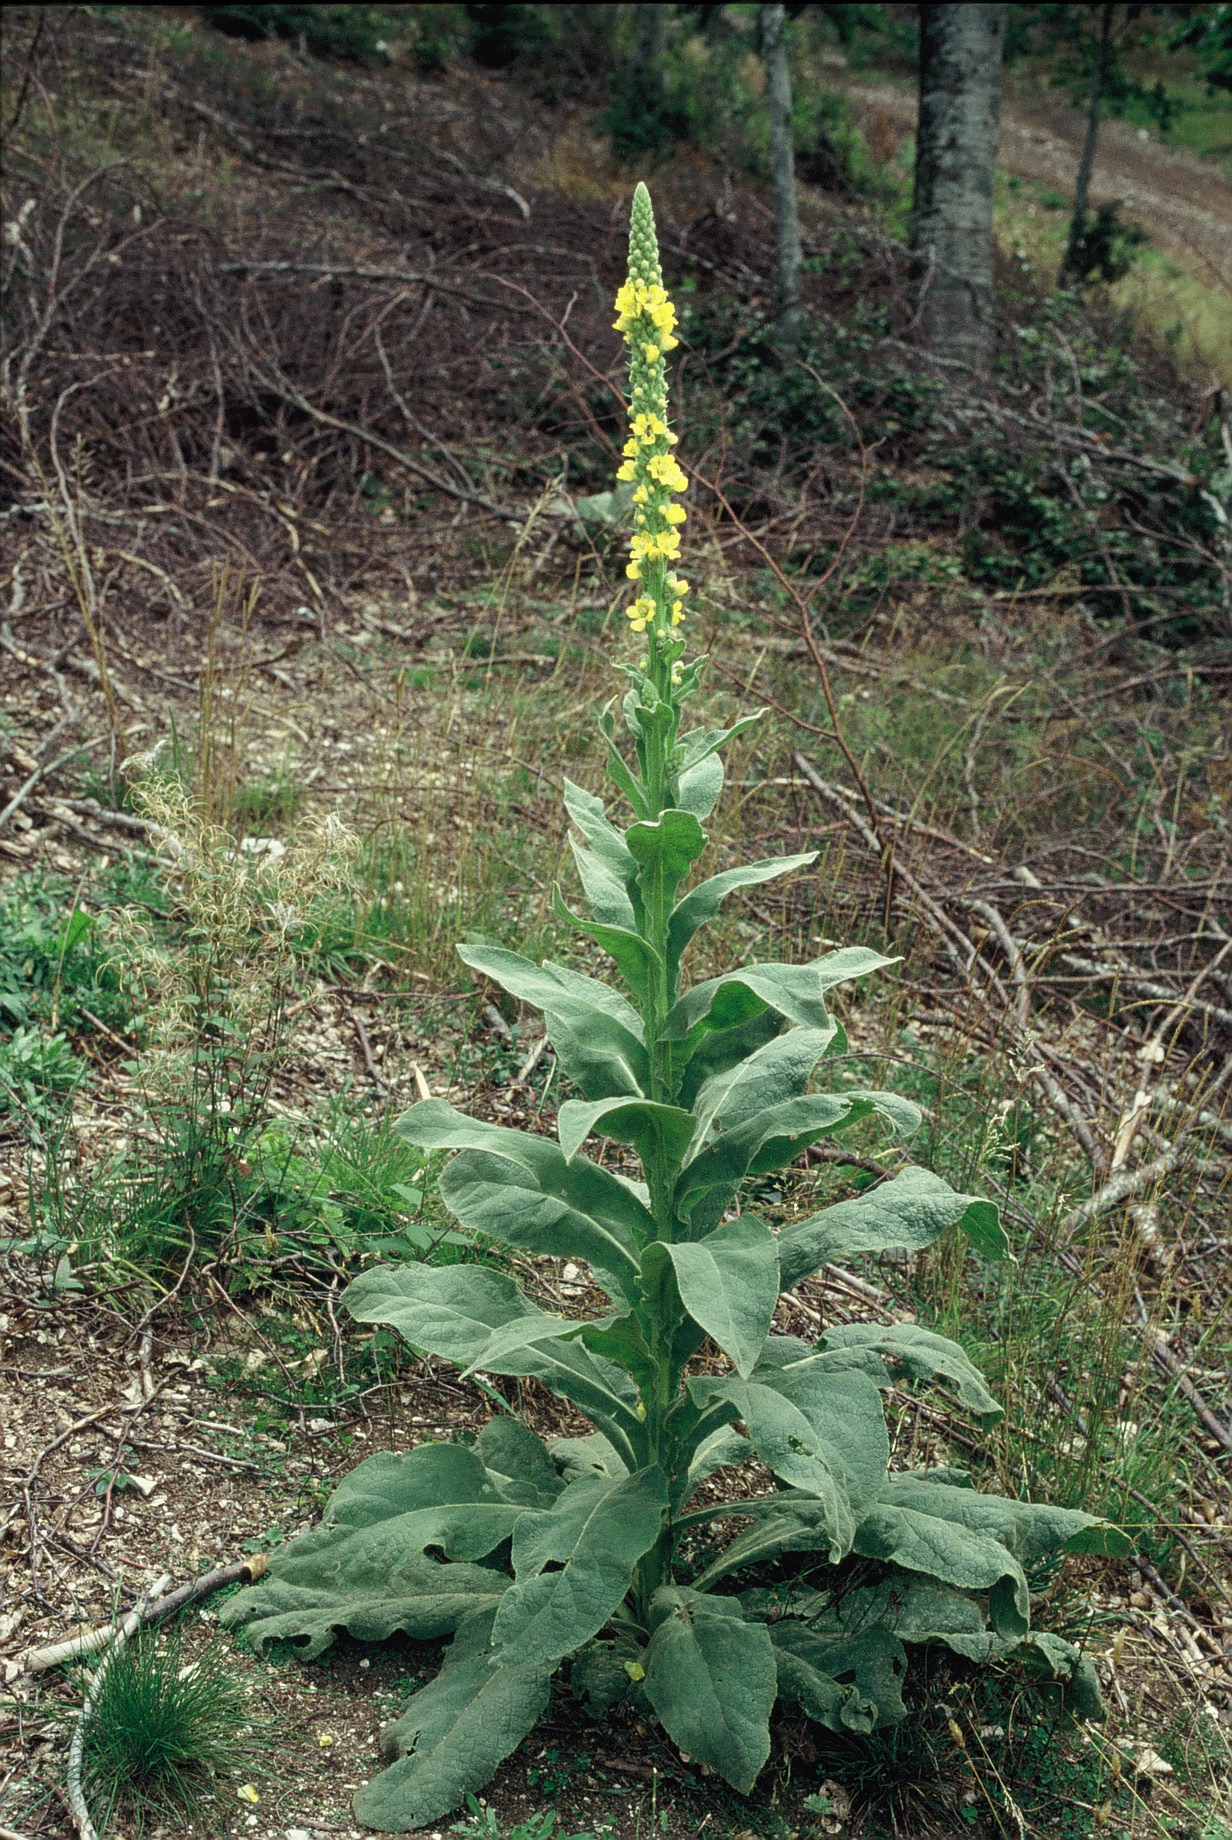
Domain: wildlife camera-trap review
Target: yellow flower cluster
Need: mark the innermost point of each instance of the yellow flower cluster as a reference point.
(638, 298)
(647, 318)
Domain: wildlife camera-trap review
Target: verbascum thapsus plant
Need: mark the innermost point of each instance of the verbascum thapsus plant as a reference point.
(606, 1558)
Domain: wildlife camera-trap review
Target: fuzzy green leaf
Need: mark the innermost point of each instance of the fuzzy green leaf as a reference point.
(847, 1679)
(517, 1463)
(702, 903)
(794, 992)
(597, 1035)
(1031, 1530)
(848, 1419)
(909, 1211)
(635, 958)
(652, 1129)
(906, 1351)
(729, 1284)
(954, 1553)
(523, 1190)
(711, 1678)
(666, 847)
(699, 786)
(777, 1070)
(453, 1733)
(467, 1314)
(791, 1447)
(722, 1447)
(592, 1537)
(700, 743)
(771, 1139)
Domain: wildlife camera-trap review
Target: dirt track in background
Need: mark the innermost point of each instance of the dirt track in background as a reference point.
(1184, 203)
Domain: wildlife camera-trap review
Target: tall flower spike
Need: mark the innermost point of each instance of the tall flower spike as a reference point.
(648, 320)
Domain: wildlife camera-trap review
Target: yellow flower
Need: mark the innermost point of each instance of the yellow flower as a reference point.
(641, 496)
(633, 571)
(678, 614)
(675, 514)
(626, 470)
(248, 1794)
(652, 354)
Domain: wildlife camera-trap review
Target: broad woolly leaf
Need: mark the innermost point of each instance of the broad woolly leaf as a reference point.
(790, 1447)
(517, 1463)
(1031, 1530)
(371, 1596)
(729, 1284)
(523, 1190)
(592, 1538)
(699, 786)
(848, 1420)
(453, 1733)
(904, 1351)
(430, 1476)
(779, 1069)
(700, 743)
(635, 958)
(665, 848)
(652, 1129)
(470, 1315)
(703, 902)
(608, 871)
(1051, 1658)
(847, 1679)
(597, 1035)
(586, 1456)
(608, 897)
(795, 992)
(771, 1139)
(723, 1447)
(622, 776)
(910, 1211)
(790, 1521)
(952, 1552)
(469, 1309)
(711, 1678)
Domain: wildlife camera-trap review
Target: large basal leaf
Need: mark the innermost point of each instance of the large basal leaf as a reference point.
(517, 1463)
(771, 1139)
(454, 1733)
(779, 1069)
(847, 1679)
(711, 1678)
(904, 1351)
(956, 1554)
(790, 1447)
(591, 1538)
(370, 1590)
(1053, 1659)
(430, 1476)
(910, 1211)
(603, 1674)
(652, 1129)
(523, 1190)
(729, 1284)
(597, 1035)
(702, 903)
(790, 1521)
(470, 1315)
(1031, 1530)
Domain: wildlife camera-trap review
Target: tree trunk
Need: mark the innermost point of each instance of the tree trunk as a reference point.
(955, 165)
(1083, 186)
(783, 170)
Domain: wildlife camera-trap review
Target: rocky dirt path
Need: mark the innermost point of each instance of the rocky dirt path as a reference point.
(1184, 203)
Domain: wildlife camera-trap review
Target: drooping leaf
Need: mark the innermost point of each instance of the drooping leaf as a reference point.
(430, 1476)
(453, 1733)
(1031, 1530)
(910, 1211)
(729, 1284)
(597, 1035)
(711, 1678)
(594, 1455)
(517, 1463)
(847, 1679)
(617, 767)
(608, 871)
(592, 1538)
(795, 992)
(635, 958)
(703, 902)
(790, 1447)
(369, 1589)
(470, 1315)
(722, 1447)
(771, 1139)
(524, 1191)
(651, 1129)
(848, 1420)
(1054, 1659)
(485, 1303)
(790, 1521)
(954, 1553)
(906, 1351)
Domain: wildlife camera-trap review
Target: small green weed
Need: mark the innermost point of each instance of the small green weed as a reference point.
(166, 1730)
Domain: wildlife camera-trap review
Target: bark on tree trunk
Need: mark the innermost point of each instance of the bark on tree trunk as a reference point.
(1087, 162)
(955, 164)
(783, 170)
